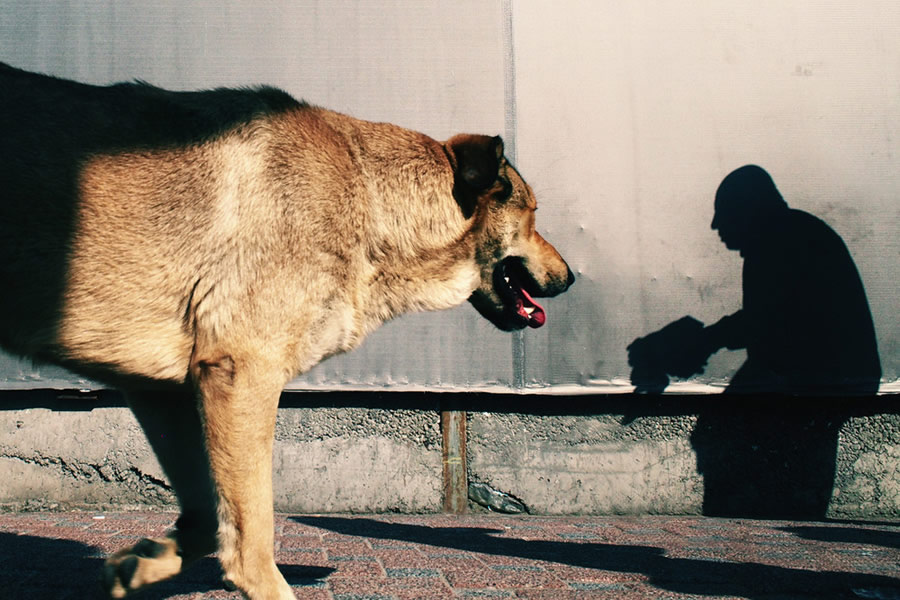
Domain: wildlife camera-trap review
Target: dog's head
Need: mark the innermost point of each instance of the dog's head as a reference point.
(516, 264)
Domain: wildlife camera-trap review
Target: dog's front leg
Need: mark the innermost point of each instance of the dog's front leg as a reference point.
(239, 402)
(172, 425)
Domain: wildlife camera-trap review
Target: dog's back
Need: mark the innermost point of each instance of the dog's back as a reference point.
(53, 134)
(129, 214)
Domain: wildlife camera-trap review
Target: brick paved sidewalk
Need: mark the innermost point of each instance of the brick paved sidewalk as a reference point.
(58, 556)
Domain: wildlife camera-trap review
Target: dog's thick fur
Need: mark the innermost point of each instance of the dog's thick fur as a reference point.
(199, 249)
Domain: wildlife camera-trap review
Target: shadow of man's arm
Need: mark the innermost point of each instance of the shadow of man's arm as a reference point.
(728, 332)
(681, 349)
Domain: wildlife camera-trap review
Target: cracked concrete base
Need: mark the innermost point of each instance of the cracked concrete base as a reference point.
(97, 457)
(601, 465)
(325, 460)
(809, 464)
(353, 459)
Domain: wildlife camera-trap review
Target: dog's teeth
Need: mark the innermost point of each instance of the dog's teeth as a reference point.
(506, 279)
(529, 310)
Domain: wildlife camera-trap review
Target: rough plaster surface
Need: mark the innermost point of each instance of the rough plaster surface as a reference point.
(73, 458)
(867, 479)
(357, 475)
(608, 464)
(603, 466)
(357, 460)
(417, 427)
(325, 460)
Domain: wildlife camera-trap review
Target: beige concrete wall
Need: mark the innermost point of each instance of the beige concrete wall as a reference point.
(630, 114)
(360, 455)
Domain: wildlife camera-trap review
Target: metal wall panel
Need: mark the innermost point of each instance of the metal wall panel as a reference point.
(434, 67)
(624, 117)
(630, 114)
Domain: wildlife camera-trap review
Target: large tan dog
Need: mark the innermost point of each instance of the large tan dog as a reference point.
(200, 249)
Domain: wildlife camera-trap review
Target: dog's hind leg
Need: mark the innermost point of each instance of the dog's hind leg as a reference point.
(172, 425)
(239, 403)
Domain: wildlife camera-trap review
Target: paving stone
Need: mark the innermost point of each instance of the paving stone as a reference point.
(58, 556)
(409, 572)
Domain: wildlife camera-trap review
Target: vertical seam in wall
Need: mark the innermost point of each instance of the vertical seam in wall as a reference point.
(510, 126)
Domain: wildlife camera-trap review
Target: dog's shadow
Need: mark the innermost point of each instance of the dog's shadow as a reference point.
(44, 568)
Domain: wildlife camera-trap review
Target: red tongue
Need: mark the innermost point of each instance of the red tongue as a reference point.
(537, 317)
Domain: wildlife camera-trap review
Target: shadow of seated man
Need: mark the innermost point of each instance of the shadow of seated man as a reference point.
(808, 331)
(805, 320)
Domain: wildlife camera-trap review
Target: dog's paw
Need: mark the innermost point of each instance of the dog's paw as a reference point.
(145, 563)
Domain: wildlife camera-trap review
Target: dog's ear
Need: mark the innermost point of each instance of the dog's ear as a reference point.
(476, 163)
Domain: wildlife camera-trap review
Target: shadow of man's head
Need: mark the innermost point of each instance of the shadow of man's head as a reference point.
(746, 199)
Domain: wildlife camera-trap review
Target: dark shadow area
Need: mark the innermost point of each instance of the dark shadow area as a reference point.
(48, 569)
(767, 461)
(303, 575)
(875, 522)
(43, 568)
(206, 576)
(632, 407)
(681, 575)
(808, 332)
(52, 128)
(848, 535)
(61, 400)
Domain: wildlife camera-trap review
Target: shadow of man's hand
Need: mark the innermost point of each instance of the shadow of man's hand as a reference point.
(678, 350)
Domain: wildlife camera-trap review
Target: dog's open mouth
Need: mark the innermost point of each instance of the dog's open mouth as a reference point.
(510, 281)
